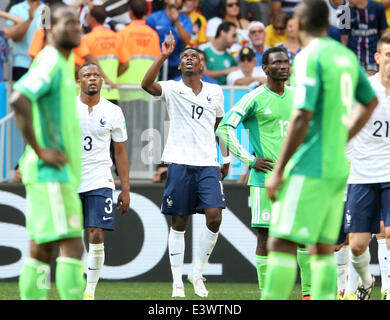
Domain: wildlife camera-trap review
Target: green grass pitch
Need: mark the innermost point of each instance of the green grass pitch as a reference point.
(114, 290)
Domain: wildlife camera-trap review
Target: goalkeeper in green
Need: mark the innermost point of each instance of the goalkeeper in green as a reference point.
(265, 113)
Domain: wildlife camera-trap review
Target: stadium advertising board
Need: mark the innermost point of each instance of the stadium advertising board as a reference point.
(138, 249)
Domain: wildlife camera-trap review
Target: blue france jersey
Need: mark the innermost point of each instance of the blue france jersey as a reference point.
(365, 31)
(160, 22)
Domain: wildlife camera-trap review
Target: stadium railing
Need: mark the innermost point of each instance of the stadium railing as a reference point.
(147, 126)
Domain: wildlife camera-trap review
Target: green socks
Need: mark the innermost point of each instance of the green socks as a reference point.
(261, 266)
(34, 280)
(281, 276)
(303, 259)
(70, 278)
(324, 277)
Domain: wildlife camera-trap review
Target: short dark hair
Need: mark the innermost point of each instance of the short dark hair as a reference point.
(192, 48)
(89, 64)
(385, 38)
(99, 13)
(139, 8)
(313, 16)
(265, 59)
(224, 26)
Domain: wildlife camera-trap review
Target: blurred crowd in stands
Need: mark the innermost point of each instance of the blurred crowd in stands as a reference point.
(124, 36)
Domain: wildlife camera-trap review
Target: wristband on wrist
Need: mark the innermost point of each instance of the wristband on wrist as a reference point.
(174, 22)
(226, 159)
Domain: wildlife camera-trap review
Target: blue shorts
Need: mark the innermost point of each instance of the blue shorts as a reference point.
(366, 205)
(191, 189)
(98, 209)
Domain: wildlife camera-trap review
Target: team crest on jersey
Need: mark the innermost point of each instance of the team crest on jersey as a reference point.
(102, 122)
(169, 202)
(208, 98)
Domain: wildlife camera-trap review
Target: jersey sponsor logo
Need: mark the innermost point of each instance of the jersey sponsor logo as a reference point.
(268, 111)
(107, 218)
(175, 254)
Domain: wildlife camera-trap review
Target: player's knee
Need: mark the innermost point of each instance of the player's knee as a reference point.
(213, 220)
(72, 248)
(43, 252)
(95, 235)
(357, 248)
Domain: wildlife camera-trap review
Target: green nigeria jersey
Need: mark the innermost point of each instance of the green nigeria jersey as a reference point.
(326, 78)
(50, 86)
(217, 60)
(265, 115)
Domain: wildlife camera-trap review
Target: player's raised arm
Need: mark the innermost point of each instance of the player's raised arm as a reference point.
(148, 82)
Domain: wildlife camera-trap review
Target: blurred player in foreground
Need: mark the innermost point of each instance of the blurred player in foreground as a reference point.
(369, 181)
(194, 176)
(265, 113)
(309, 195)
(45, 110)
(100, 122)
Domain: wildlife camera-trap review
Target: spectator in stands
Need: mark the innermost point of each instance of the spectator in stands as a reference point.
(368, 23)
(81, 53)
(219, 63)
(291, 44)
(386, 5)
(143, 46)
(199, 22)
(337, 17)
(210, 9)
(257, 40)
(256, 10)
(107, 47)
(229, 10)
(4, 53)
(276, 33)
(171, 19)
(202, 57)
(287, 6)
(30, 12)
(117, 12)
(248, 73)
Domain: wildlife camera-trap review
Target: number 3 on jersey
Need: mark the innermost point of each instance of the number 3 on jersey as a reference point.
(87, 143)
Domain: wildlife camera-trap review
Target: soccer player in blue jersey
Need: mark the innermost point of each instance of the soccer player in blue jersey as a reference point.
(368, 23)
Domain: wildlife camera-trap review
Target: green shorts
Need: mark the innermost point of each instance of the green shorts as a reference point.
(53, 212)
(261, 207)
(308, 210)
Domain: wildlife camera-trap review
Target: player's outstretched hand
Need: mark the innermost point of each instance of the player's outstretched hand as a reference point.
(224, 170)
(168, 46)
(55, 158)
(273, 184)
(264, 164)
(124, 201)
